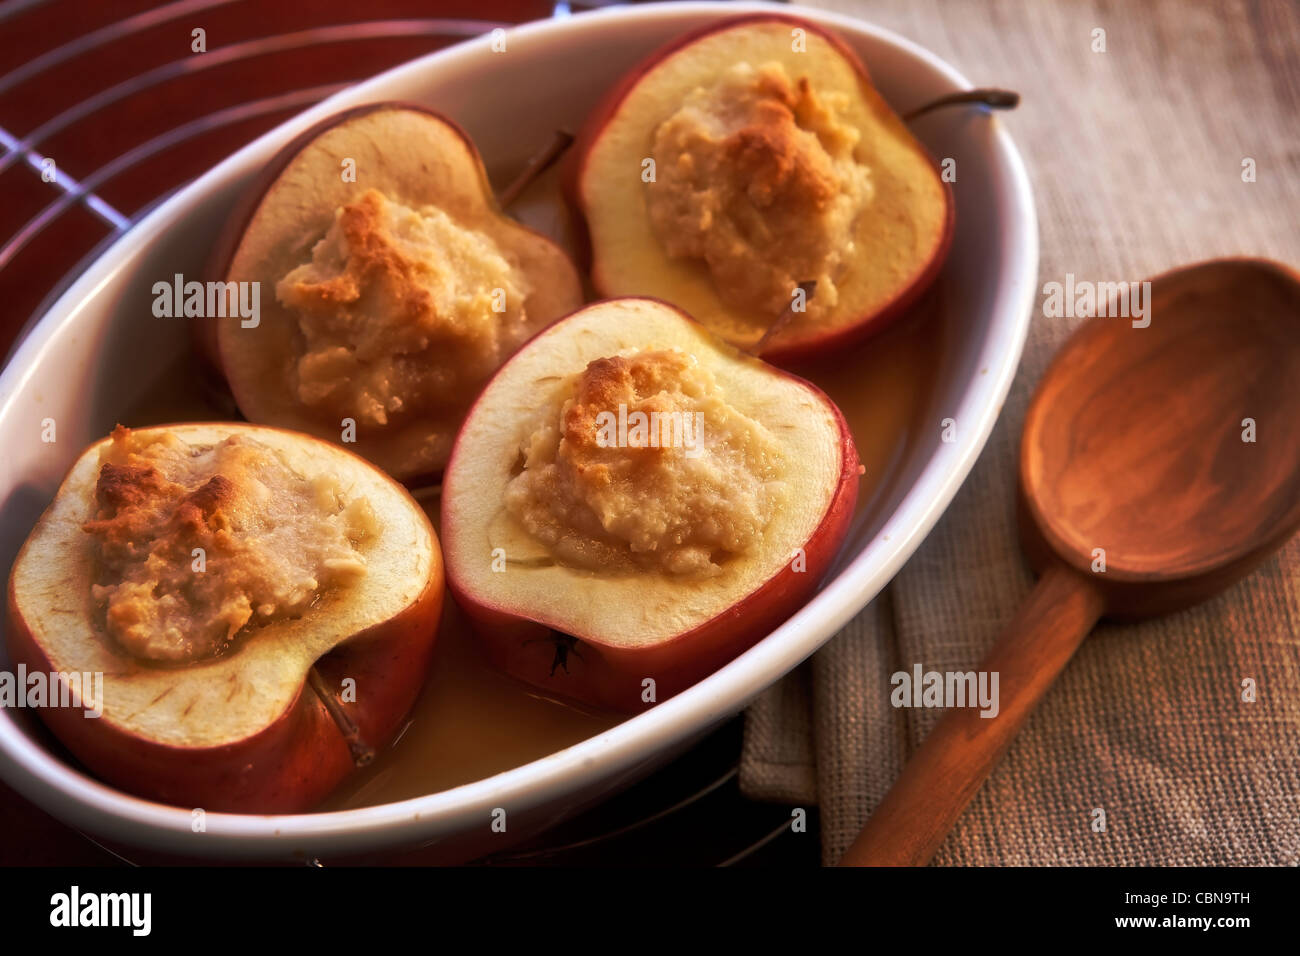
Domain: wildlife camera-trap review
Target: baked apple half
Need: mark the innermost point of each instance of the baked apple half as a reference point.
(391, 287)
(632, 502)
(204, 570)
(739, 165)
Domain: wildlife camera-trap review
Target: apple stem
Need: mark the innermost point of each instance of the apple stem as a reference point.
(539, 163)
(992, 98)
(782, 320)
(362, 753)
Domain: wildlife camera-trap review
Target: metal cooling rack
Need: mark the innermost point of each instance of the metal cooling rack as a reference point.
(83, 103)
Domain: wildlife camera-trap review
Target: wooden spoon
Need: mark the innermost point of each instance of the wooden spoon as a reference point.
(1136, 443)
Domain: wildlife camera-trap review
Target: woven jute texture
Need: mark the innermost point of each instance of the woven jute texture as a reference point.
(1136, 157)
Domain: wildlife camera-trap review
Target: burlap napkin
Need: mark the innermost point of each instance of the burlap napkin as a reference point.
(1136, 156)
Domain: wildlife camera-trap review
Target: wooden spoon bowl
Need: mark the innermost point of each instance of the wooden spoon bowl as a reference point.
(1134, 441)
(1160, 463)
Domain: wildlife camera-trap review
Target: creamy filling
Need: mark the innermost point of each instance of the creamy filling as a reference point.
(642, 464)
(756, 177)
(403, 312)
(195, 542)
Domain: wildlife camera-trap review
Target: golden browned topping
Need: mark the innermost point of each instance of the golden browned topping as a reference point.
(756, 177)
(403, 312)
(197, 542)
(644, 464)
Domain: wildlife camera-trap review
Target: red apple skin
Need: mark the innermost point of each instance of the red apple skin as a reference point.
(291, 765)
(611, 677)
(796, 354)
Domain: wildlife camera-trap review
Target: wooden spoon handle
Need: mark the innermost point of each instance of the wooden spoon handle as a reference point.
(944, 774)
